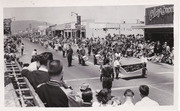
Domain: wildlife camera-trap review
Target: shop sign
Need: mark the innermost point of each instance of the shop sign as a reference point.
(68, 26)
(160, 14)
(133, 67)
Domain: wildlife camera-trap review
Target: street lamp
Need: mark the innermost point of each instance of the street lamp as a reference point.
(74, 13)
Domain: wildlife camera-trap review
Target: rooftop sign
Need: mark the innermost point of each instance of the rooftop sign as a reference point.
(160, 15)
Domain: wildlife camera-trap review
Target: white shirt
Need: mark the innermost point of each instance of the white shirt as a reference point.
(117, 54)
(97, 104)
(32, 66)
(34, 53)
(146, 101)
(22, 46)
(127, 104)
(43, 69)
(116, 63)
(144, 59)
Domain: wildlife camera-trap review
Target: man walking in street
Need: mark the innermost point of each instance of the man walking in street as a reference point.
(22, 49)
(107, 76)
(69, 55)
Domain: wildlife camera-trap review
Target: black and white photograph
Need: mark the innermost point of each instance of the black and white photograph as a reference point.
(120, 56)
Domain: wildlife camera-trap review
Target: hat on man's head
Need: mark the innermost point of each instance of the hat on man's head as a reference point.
(84, 86)
(102, 93)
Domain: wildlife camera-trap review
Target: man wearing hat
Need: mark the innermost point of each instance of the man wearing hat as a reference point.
(85, 87)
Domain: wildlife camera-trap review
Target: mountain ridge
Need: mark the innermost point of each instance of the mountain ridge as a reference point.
(20, 25)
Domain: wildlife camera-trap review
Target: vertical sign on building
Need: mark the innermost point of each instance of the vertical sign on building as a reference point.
(79, 20)
(78, 26)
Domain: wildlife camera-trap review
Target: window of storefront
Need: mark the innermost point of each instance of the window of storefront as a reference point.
(83, 34)
(65, 34)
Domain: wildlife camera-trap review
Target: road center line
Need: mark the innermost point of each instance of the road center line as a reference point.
(72, 80)
(164, 72)
(94, 78)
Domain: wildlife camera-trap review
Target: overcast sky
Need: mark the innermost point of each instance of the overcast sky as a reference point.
(59, 15)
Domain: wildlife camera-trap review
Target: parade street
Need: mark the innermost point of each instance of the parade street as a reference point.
(159, 76)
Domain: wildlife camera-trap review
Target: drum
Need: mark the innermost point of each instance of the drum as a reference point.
(97, 56)
(85, 58)
(100, 59)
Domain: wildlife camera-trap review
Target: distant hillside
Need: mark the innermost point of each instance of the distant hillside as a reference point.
(24, 24)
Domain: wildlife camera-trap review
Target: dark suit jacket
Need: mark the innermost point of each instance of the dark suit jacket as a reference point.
(35, 77)
(52, 95)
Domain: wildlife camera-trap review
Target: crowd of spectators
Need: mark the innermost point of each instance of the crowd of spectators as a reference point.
(131, 47)
(11, 45)
(46, 76)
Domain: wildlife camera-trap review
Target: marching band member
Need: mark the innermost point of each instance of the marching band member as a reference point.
(82, 55)
(78, 52)
(95, 52)
(117, 66)
(34, 53)
(117, 54)
(56, 46)
(89, 48)
(64, 49)
(144, 61)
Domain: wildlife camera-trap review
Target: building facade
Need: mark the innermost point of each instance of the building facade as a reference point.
(91, 28)
(159, 24)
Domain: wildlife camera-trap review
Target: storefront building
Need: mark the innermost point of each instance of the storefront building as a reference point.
(159, 24)
(91, 28)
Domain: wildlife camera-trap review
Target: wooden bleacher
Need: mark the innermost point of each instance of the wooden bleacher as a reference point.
(24, 94)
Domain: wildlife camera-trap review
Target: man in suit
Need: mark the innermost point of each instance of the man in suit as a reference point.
(53, 92)
(41, 75)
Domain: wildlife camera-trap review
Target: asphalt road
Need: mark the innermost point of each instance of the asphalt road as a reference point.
(160, 77)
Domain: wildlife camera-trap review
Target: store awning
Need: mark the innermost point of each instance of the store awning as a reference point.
(153, 26)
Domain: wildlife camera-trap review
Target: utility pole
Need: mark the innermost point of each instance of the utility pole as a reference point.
(119, 29)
